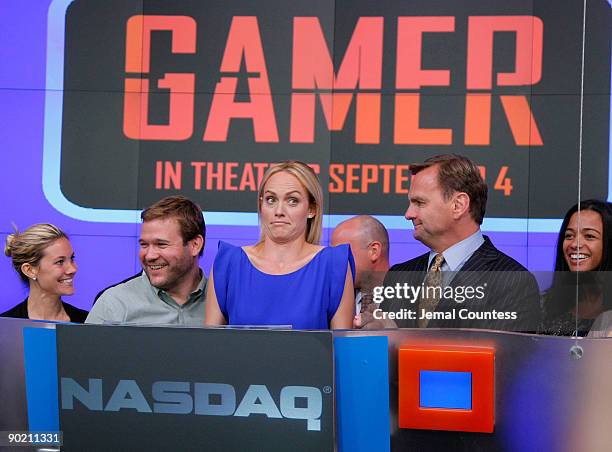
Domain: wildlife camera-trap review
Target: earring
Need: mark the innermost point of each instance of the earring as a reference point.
(34, 278)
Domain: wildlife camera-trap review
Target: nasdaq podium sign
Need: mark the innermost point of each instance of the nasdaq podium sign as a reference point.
(150, 388)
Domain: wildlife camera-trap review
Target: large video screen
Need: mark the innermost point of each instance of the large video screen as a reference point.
(109, 106)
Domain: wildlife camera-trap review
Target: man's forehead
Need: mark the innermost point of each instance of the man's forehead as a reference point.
(160, 228)
(350, 231)
(429, 174)
(424, 182)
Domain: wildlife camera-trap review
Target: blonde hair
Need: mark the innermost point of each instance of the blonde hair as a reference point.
(310, 181)
(28, 247)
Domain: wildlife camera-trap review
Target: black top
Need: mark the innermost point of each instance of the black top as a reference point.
(20, 311)
(565, 325)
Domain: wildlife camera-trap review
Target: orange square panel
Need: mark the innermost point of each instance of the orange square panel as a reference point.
(445, 387)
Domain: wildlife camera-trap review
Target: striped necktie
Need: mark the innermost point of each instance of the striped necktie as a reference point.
(432, 290)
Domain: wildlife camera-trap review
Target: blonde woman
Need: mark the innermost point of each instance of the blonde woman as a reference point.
(44, 260)
(286, 278)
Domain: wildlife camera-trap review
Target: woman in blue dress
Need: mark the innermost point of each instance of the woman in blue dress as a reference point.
(286, 278)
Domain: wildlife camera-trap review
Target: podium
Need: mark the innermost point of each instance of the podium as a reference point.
(167, 388)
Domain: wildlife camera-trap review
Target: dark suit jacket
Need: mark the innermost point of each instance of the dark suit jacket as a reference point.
(507, 286)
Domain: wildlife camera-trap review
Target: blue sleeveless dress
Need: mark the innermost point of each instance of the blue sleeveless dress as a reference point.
(305, 299)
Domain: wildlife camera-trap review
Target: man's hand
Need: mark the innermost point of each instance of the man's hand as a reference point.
(366, 321)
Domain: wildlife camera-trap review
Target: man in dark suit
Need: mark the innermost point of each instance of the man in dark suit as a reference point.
(464, 281)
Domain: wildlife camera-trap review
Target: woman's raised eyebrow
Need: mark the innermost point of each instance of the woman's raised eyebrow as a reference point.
(286, 194)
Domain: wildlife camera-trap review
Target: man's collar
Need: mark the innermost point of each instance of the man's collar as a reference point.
(459, 253)
(202, 284)
(199, 288)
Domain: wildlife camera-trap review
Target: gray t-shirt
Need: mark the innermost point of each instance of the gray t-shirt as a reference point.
(137, 301)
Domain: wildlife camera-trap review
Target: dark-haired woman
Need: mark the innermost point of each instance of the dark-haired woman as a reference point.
(581, 270)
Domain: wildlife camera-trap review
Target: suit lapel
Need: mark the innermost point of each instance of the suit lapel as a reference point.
(482, 257)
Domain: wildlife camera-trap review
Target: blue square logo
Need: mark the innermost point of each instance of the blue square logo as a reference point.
(443, 389)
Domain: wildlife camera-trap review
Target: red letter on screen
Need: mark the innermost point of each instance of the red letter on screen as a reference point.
(137, 60)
